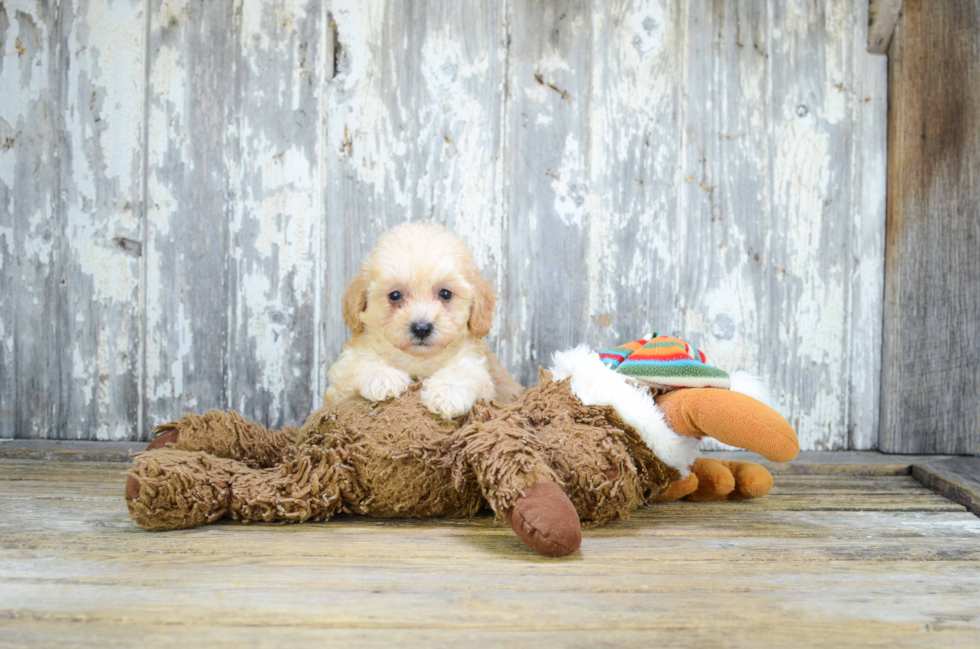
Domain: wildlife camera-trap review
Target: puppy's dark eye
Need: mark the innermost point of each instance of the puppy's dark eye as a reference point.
(394, 296)
(445, 294)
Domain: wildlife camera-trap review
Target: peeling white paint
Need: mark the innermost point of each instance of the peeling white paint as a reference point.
(676, 177)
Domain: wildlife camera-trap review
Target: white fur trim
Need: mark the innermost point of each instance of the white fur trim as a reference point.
(597, 385)
(751, 386)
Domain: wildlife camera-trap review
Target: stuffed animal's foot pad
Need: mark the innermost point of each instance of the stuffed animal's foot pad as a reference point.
(164, 440)
(546, 521)
(383, 382)
(448, 400)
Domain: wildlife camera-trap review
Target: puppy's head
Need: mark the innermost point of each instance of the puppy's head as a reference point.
(420, 291)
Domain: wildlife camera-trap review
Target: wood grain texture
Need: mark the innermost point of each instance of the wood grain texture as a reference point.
(276, 230)
(955, 478)
(883, 16)
(191, 155)
(822, 561)
(71, 121)
(930, 393)
(711, 169)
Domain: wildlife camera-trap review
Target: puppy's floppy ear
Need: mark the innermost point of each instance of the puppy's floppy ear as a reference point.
(355, 301)
(481, 310)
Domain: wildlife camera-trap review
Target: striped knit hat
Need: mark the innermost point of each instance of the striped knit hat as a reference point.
(664, 362)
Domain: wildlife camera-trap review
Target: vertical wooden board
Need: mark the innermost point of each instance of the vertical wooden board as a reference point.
(634, 117)
(808, 270)
(867, 244)
(103, 112)
(32, 320)
(725, 191)
(930, 393)
(412, 132)
(191, 150)
(548, 192)
(70, 133)
(882, 18)
(276, 230)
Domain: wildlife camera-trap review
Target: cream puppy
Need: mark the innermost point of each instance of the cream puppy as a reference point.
(419, 309)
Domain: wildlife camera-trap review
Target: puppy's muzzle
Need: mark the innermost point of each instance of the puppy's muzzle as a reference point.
(421, 330)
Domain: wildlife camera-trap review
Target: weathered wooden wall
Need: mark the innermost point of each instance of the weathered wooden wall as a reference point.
(185, 187)
(930, 401)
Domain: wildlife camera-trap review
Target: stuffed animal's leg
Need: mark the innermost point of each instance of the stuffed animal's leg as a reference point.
(225, 434)
(519, 484)
(169, 489)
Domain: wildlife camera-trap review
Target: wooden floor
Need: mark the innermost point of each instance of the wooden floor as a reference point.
(840, 559)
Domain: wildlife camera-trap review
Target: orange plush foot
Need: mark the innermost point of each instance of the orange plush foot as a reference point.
(729, 480)
(712, 479)
(679, 489)
(715, 481)
(751, 480)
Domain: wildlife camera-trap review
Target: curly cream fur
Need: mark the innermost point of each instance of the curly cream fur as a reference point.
(418, 261)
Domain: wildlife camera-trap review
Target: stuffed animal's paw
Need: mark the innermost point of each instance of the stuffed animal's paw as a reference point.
(381, 382)
(712, 479)
(448, 400)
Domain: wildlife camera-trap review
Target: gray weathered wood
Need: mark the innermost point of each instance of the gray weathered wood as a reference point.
(725, 183)
(821, 560)
(548, 189)
(883, 16)
(930, 393)
(867, 247)
(955, 478)
(710, 169)
(71, 124)
(635, 131)
(191, 155)
(276, 229)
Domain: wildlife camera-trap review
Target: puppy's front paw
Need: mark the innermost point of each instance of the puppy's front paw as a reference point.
(383, 382)
(448, 400)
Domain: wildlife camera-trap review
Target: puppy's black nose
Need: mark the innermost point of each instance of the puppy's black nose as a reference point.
(421, 330)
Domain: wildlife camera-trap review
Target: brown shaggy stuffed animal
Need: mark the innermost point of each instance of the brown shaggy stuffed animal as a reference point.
(546, 463)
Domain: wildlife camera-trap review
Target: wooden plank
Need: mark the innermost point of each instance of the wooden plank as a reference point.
(413, 132)
(634, 130)
(71, 123)
(32, 631)
(930, 397)
(833, 462)
(955, 478)
(812, 186)
(867, 247)
(51, 451)
(725, 185)
(276, 233)
(882, 18)
(79, 568)
(32, 362)
(191, 156)
(545, 285)
(103, 148)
